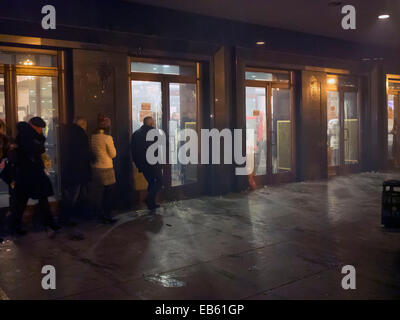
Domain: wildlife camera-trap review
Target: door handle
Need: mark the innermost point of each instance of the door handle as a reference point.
(346, 134)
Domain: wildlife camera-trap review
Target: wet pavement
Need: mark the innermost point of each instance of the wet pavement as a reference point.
(282, 242)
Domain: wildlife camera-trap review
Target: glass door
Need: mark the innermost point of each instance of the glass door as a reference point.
(256, 119)
(146, 101)
(168, 93)
(182, 115)
(269, 115)
(281, 138)
(393, 121)
(2, 99)
(3, 185)
(342, 126)
(29, 88)
(350, 129)
(37, 96)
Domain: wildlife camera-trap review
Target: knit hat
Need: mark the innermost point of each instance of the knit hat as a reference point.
(38, 122)
(103, 122)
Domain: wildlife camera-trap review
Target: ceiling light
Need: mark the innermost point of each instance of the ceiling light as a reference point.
(260, 43)
(28, 62)
(331, 80)
(384, 16)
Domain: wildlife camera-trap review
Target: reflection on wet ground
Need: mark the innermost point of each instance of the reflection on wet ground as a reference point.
(281, 242)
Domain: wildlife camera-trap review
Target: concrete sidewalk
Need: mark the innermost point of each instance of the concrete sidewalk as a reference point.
(284, 242)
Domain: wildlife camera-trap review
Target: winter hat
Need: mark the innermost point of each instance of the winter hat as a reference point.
(38, 122)
(103, 122)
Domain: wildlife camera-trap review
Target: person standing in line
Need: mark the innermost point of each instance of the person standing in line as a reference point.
(76, 156)
(7, 168)
(152, 172)
(32, 181)
(103, 168)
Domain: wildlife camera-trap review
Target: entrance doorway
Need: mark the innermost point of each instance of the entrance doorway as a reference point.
(393, 114)
(169, 93)
(269, 112)
(343, 125)
(29, 88)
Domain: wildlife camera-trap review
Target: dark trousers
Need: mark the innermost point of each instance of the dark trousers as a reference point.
(71, 194)
(153, 176)
(19, 205)
(107, 200)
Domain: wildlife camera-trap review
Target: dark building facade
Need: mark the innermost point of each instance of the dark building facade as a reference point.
(318, 106)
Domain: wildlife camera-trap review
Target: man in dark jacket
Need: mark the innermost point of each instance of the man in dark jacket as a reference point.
(152, 172)
(76, 157)
(31, 178)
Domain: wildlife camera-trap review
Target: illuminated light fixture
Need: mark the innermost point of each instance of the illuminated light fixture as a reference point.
(384, 16)
(260, 43)
(28, 62)
(331, 80)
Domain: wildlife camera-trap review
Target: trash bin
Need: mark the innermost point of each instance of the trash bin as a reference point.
(391, 203)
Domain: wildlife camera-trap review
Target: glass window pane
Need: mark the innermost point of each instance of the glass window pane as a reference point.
(146, 101)
(394, 85)
(333, 134)
(265, 76)
(350, 128)
(37, 96)
(163, 69)
(391, 132)
(2, 99)
(281, 131)
(28, 59)
(3, 186)
(183, 115)
(256, 120)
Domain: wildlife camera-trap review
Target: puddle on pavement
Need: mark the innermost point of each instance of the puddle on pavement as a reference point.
(166, 281)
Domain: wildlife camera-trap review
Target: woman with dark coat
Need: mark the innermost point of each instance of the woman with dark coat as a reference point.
(31, 178)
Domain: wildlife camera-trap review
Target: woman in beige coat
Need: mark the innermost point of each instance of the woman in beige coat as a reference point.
(103, 168)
